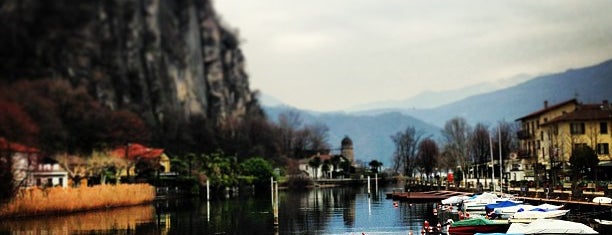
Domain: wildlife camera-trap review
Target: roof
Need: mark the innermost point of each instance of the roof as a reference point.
(586, 112)
(323, 157)
(16, 147)
(547, 109)
(137, 150)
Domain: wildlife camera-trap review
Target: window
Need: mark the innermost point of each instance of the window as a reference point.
(603, 128)
(577, 128)
(603, 148)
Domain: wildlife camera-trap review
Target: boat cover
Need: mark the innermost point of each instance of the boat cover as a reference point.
(551, 226)
(492, 206)
(473, 222)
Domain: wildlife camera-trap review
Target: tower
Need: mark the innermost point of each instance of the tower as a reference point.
(346, 149)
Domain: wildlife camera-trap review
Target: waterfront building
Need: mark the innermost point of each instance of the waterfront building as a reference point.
(547, 137)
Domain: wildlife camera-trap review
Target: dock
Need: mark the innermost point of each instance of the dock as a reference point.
(420, 197)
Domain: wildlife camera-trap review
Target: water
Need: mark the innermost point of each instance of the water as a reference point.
(317, 211)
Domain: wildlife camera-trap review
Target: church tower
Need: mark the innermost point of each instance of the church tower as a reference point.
(347, 149)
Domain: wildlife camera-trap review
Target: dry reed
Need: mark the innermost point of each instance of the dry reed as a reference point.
(37, 201)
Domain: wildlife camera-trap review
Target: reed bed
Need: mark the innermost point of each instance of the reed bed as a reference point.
(38, 201)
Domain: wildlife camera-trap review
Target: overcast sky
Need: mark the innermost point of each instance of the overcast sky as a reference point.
(332, 54)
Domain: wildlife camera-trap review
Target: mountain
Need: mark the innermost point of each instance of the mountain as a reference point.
(371, 129)
(169, 61)
(431, 99)
(589, 85)
(371, 134)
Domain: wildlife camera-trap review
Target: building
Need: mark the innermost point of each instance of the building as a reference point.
(32, 169)
(548, 136)
(325, 157)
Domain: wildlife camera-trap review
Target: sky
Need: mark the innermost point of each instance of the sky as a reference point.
(329, 55)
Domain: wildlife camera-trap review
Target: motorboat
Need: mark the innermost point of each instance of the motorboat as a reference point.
(477, 225)
(537, 214)
(602, 200)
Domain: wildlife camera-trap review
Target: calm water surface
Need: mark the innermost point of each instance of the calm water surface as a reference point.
(316, 211)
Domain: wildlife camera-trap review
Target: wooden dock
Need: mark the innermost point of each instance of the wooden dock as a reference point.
(420, 197)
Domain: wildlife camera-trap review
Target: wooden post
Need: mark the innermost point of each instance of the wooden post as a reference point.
(274, 190)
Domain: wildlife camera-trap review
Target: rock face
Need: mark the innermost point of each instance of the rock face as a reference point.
(167, 60)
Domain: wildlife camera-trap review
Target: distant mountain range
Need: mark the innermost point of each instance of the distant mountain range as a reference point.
(371, 129)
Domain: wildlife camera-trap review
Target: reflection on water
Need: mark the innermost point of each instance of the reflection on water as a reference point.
(317, 211)
(117, 220)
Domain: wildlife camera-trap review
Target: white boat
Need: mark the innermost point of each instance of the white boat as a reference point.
(550, 226)
(603, 222)
(454, 200)
(539, 214)
(514, 209)
(602, 200)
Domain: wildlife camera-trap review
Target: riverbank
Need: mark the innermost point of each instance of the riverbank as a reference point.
(56, 200)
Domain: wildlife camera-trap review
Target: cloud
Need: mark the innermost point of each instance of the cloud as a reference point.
(328, 55)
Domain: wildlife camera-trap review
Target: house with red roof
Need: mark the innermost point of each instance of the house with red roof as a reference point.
(31, 168)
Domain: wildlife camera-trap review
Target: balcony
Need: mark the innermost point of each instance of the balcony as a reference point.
(523, 135)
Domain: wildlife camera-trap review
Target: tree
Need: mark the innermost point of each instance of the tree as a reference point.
(479, 148)
(583, 161)
(428, 153)
(375, 166)
(258, 169)
(506, 133)
(288, 123)
(406, 143)
(456, 133)
(314, 163)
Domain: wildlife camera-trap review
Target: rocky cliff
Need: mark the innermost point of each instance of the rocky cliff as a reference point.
(167, 60)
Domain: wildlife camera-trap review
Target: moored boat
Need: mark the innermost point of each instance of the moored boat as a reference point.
(477, 225)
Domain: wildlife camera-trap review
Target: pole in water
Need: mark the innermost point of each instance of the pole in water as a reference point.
(207, 190)
(368, 185)
(376, 182)
(275, 203)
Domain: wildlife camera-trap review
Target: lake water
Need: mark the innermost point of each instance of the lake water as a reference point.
(316, 211)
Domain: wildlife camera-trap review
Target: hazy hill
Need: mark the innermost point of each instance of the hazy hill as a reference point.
(590, 85)
(370, 129)
(370, 133)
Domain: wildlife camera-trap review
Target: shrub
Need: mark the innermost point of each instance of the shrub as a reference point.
(41, 201)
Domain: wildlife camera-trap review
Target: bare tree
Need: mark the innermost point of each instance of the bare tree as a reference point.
(456, 133)
(506, 133)
(288, 123)
(479, 148)
(406, 143)
(428, 155)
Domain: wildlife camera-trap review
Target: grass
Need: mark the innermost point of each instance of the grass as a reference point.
(38, 201)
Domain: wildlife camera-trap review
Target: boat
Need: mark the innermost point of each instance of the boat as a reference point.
(477, 225)
(603, 222)
(550, 226)
(507, 212)
(602, 200)
(537, 214)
